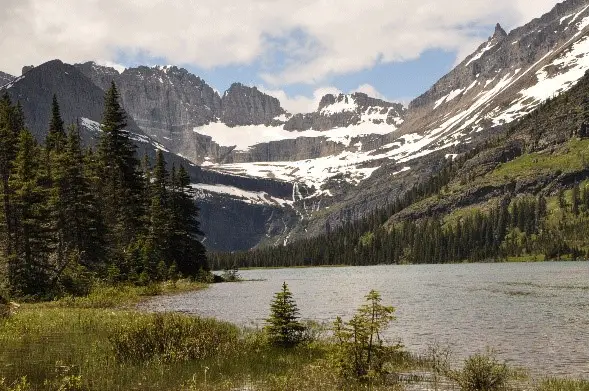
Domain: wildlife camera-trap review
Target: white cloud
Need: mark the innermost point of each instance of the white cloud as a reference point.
(313, 39)
(370, 91)
(300, 103)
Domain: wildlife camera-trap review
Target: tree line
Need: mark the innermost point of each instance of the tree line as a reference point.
(71, 214)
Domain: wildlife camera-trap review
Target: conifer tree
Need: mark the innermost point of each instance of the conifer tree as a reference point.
(29, 270)
(575, 200)
(11, 123)
(186, 248)
(158, 244)
(283, 327)
(56, 137)
(122, 184)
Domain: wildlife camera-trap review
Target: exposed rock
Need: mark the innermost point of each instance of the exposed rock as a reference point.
(5, 78)
(25, 69)
(242, 105)
(162, 100)
(346, 110)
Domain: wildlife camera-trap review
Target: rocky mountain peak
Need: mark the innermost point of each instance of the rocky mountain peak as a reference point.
(327, 100)
(243, 105)
(499, 33)
(78, 97)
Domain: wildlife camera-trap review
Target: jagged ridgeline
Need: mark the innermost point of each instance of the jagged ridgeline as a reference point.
(522, 194)
(71, 215)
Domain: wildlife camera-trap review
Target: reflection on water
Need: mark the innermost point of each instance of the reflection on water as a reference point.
(534, 315)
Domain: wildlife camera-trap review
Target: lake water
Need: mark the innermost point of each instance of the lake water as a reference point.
(534, 315)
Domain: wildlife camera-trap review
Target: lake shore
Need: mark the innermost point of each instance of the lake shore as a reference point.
(68, 345)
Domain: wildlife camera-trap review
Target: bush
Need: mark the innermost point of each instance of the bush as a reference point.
(481, 372)
(360, 352)
(171, 337)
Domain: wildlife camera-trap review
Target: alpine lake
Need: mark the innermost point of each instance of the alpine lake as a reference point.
(532, 315)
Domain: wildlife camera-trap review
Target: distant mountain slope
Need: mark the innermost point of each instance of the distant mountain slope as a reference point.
(5, 78)
(229, 220)
(520, 195)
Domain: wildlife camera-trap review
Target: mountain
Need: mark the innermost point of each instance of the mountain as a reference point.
(298, 175)
(232, 218)
(523, 194)
(5, 78)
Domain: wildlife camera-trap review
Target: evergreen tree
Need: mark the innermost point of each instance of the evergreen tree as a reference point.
(122, 183)
(283, 328)
(186, 248)
(56, 137)
(30, 271)
(158, 247)
(575, 200)
(11, 123)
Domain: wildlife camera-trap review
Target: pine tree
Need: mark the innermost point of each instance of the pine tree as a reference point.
(360, 351)
(83, 228)
(56, 137)
(158, 247)
(30, 271)
(283, 328)
(122, 183)
(186, 248)
(11, 123)
(575, 200)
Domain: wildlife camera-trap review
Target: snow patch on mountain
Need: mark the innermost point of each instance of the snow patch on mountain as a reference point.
(244, 137)
(480, 53)
(252, 197)
(346, 103)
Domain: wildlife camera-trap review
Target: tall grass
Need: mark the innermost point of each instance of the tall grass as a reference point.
(72, 348)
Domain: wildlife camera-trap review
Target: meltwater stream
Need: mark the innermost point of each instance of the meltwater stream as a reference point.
(534, 315)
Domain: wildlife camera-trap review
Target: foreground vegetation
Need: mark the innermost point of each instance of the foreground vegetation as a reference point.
(92, 343)
(95, 343)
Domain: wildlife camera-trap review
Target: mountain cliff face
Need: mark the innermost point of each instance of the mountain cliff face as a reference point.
(242, 105)
(5, 78)
(507, 76)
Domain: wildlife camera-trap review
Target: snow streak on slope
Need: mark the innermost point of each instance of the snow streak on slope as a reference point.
(94, 127)
(250, 197)
(351, 166)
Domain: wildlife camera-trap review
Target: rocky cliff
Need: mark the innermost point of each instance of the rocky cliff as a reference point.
(5, 78)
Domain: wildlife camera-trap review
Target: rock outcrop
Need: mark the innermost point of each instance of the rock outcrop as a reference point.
(347, 110)
(243, 105)
(5, 78)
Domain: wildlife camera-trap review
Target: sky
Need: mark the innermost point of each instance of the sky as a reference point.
(296, 50)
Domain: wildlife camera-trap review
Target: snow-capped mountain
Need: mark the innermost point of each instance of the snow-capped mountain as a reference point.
(302, 172)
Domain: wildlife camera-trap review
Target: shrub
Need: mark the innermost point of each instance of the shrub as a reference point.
(481, 372)
(360, 352)
(171, 337)
(283, 328)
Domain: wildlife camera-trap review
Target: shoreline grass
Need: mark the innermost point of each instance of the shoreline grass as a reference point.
(100, 342)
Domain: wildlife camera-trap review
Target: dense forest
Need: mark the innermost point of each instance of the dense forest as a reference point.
(72, 215)
(539, 210)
